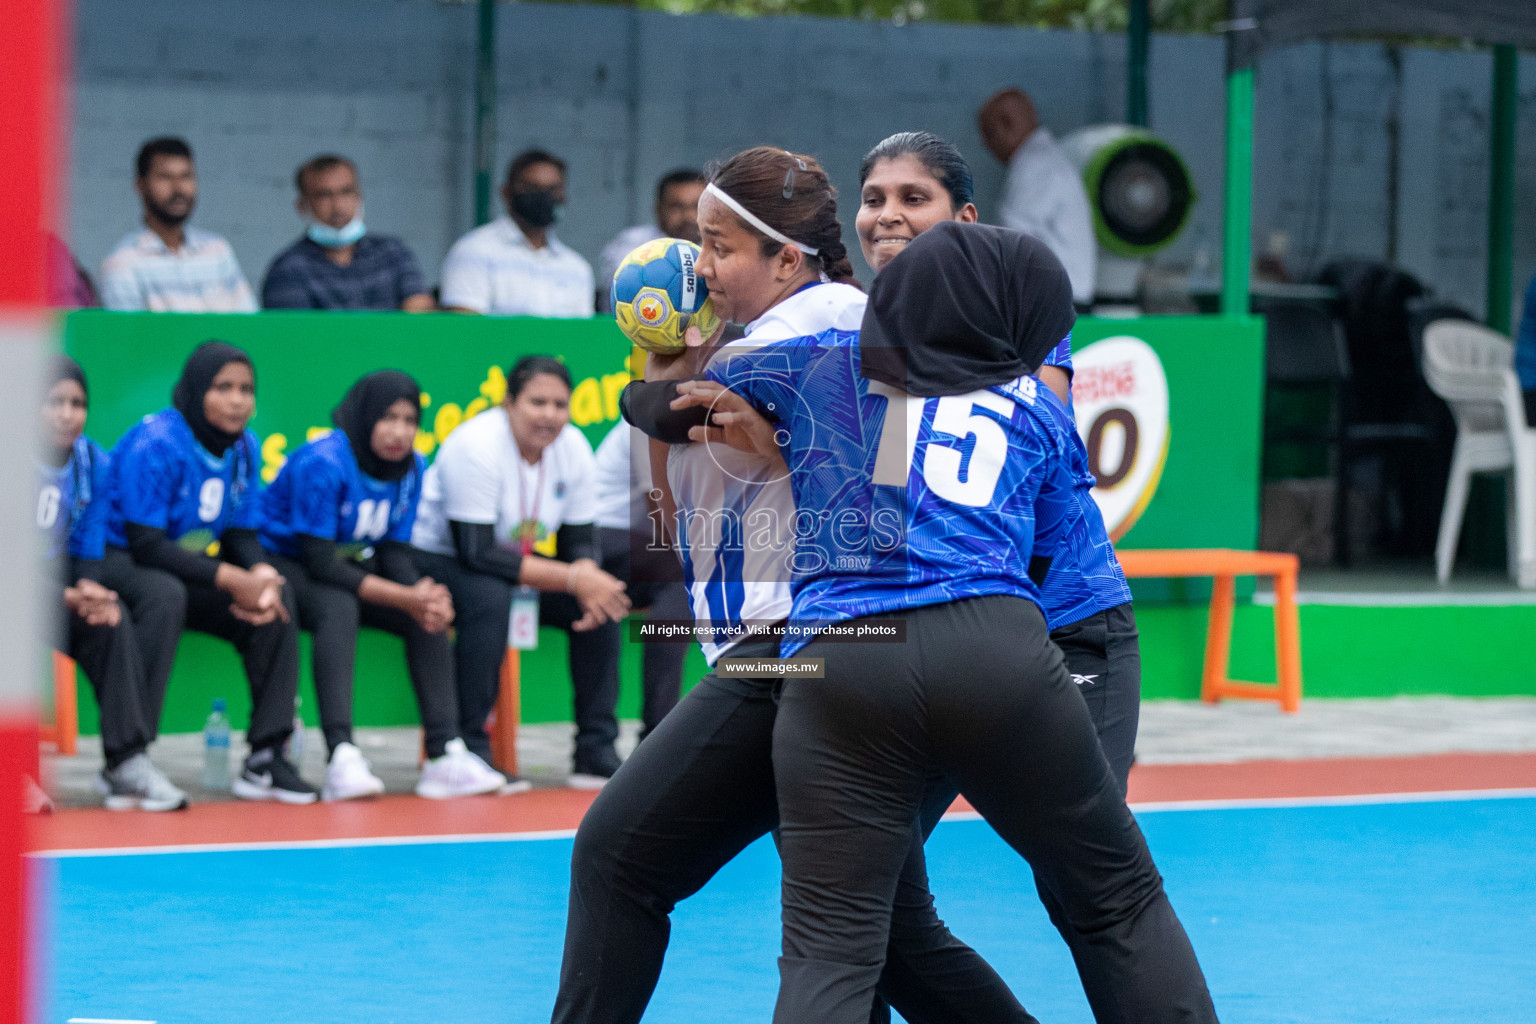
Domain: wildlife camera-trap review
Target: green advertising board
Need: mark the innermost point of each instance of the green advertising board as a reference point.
(1203, 490)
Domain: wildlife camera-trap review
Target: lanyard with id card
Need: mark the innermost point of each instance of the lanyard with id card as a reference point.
(523, 623)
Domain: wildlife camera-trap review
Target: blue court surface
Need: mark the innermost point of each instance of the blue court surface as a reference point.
(1326, 914)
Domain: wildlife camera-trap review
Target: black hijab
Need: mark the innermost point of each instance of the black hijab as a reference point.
(366, 404)
(62, 368)
(965, 306)
(203, 365)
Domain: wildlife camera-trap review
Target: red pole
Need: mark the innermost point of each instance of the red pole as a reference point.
(30, 130)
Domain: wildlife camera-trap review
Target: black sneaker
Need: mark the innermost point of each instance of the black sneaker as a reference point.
(594, 772)
(268, 776)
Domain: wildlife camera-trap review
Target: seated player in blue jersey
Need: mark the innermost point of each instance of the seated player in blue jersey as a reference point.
(95, 629)
(185, 482)
(337, 525)
(926, 470)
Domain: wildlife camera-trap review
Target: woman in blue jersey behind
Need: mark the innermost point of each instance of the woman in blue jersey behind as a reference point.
(922, 429)
(337, 523)
(185, 482)
(96, 630)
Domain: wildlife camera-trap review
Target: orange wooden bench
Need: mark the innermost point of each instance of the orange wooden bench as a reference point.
(1224, 566)
(66, 711)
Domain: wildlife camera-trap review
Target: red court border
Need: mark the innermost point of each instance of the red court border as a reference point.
(559, 810)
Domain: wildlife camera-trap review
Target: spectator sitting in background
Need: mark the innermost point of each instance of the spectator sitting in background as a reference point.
(677, 216)
(515, 266)
(167, 267)
(1044, 194)
(339, 264)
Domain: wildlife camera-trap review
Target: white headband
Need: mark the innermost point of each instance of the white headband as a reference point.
(747, 215)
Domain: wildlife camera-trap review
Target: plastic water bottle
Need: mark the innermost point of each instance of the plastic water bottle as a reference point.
(293, 748)
(216, 747)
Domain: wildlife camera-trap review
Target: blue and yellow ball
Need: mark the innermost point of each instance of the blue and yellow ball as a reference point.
(657, 294)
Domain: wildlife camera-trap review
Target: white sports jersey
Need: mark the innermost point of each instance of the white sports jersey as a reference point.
(736, 510)
(480, 476)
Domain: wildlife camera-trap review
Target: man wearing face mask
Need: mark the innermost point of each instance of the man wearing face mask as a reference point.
(168, 266)
(515, 266)
(339, 263)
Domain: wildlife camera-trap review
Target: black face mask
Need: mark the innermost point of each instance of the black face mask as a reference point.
(537, 209)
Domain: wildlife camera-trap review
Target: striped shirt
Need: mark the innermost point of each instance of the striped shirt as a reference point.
(203, 276)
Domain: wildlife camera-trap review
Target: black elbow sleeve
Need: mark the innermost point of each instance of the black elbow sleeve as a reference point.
(324, 565)
(150, 546)
(646, 405)
(479, 552)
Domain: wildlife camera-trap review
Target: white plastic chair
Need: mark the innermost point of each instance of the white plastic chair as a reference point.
(1472, 368)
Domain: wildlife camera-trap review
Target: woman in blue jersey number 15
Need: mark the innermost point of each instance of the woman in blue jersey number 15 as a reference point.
(186, 480)
(925, 416)
(908, 183)
(95, 629)
(338, 526)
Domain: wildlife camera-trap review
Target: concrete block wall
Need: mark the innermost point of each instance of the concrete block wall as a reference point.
(625, 95)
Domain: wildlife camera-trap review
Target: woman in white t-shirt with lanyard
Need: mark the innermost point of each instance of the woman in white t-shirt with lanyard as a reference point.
(506, 519)
(700, 788)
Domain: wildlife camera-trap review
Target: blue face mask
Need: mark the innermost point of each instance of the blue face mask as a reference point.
(337, 238)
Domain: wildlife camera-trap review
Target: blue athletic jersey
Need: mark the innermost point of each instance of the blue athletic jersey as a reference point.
(72, 502)
(1061, 355)
(1085, 576)
(321, 492)
(162, 478)
(907, 502)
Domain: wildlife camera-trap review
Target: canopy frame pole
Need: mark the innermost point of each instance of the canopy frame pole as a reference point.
(1237, 222)
(1138, 45)
(485, 110)
(1501, 186)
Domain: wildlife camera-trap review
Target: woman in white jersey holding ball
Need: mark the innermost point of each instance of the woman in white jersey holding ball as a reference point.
(700, 789)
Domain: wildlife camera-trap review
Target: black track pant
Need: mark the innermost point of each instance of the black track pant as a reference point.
(333, 615)
(270, 654)
(156, 602)
(652, 584)
(979, 693)
(482, 605)
(110, 658)
(691, 797)
(1103, 656)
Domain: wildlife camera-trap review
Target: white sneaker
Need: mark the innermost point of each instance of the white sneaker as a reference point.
(137, 784)
(348, 776)
(457, 773)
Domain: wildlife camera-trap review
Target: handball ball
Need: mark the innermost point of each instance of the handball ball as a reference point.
(658, 294)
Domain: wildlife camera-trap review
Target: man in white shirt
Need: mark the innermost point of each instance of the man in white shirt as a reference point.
(165, 266)
(677, 216)
(515, 266)
(1044, 194)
